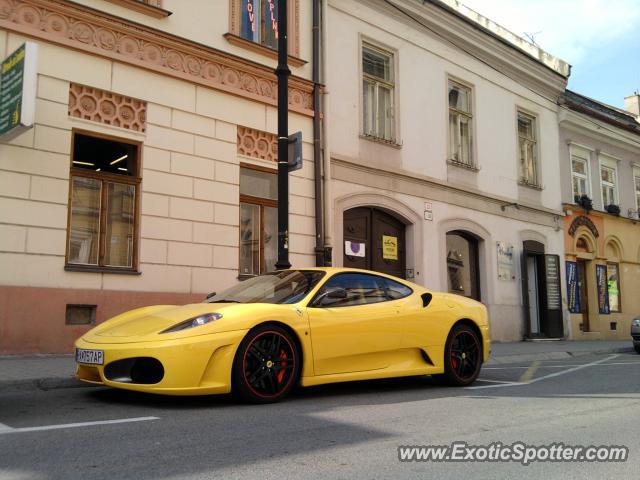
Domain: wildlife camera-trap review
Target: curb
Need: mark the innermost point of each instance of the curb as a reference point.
(42, 384)
(532, 357)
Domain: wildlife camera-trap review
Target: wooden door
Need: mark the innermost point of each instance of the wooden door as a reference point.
(369, 228)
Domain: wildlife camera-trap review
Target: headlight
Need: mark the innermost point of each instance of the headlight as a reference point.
(194, 322)
(635, 322)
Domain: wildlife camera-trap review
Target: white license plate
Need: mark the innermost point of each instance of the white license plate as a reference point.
(95, 357)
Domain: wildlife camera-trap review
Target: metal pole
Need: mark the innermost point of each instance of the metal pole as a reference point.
(317, 155)
(283, 72)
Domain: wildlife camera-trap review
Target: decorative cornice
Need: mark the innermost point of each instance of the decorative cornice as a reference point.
(85, 29)
(411, 183)
(153, 8)
(257, 144)
(105, 107)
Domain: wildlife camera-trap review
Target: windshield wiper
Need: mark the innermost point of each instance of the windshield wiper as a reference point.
(225, 301)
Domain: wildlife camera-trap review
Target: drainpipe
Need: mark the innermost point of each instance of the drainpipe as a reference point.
(326, 164)
(317, 153)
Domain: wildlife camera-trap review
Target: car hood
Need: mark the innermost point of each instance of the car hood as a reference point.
(144, 324)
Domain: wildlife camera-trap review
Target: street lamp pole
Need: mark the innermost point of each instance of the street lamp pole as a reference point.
(283, 72)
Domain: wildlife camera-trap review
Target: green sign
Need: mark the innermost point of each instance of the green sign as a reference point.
(18, 77)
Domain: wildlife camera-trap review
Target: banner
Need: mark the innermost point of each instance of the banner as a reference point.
(603, 289)
(573, 292)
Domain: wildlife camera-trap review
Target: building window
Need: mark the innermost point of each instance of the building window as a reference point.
(528, 144)
(636, 179)
(258, 220)
(613, 284)
(608, 182)
(259, 22)
(377, 91)
(103, 206)
(460, 126)
(580, 173)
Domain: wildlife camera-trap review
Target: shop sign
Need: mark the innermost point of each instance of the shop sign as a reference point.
(573, 292)
(389, 247)
(18, 80)
(552, 272)
(506, 263)
(603, 289)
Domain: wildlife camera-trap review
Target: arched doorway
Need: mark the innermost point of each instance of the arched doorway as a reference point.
(374, 240)
(463, 266)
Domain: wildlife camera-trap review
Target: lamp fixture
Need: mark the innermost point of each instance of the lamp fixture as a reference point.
(78, 162)
(118, 159)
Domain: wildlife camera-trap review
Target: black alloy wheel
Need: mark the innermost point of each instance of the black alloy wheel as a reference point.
(462, 356)
(266, 366)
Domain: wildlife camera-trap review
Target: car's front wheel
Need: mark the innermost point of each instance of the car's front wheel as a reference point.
(462, 356)
(266, 366)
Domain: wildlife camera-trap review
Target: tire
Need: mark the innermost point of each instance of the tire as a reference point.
(636, 347)
(462, 356)
(266, 365)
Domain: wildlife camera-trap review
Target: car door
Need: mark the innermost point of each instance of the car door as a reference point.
(355, 333)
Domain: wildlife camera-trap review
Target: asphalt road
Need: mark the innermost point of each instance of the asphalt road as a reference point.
(340, 431)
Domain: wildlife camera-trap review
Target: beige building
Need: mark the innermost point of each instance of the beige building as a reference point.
(149, 174)
(600, 158)
(444, 164)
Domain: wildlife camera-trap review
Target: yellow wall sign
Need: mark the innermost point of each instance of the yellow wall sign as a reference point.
(389, 247)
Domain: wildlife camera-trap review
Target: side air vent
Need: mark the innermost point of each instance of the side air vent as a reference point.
(426, 357)
(426, 299)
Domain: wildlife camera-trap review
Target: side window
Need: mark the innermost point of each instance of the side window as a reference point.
(396, 290)
(360, 289)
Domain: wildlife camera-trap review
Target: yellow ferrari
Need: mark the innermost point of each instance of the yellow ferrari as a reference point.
(310, 326)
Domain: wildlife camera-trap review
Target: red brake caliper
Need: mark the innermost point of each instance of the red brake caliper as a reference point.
(454, 360)
(283, 364)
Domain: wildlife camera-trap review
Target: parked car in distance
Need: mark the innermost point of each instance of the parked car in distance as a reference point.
(635, 333)
(306, 327)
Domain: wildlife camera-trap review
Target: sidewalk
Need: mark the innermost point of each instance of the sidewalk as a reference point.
(48, 372)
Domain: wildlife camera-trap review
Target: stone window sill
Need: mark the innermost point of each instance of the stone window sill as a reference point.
(533, 186)
(97, 269)
(142, 7)
(466, 166)
(261, 49)
(372, 138)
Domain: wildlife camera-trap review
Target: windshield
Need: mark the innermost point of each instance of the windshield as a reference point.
(286, 286)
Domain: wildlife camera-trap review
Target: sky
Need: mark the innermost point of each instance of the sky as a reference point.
(599, 38)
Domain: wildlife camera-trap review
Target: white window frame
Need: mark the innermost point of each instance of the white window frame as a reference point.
(583, 154)
(471, 119)
(377, 132)
(610, 162)
(636, 188)
(536, 182)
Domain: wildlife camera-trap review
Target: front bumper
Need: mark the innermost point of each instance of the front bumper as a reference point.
(196, 365)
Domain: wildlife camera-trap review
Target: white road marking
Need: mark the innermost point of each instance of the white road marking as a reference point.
(545, 377)
(8, 429)
(491, 381)
(558, 366)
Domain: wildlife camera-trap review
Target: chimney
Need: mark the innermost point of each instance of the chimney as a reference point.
(632, 104)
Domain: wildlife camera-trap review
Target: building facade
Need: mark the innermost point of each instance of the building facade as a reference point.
(600, 158)
(149, 174)
(444, 162)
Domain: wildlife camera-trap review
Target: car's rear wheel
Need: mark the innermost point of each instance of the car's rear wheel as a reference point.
(266, 366)
(462, 356)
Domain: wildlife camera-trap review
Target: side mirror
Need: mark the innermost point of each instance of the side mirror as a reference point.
(212, 294)
(336, 292)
